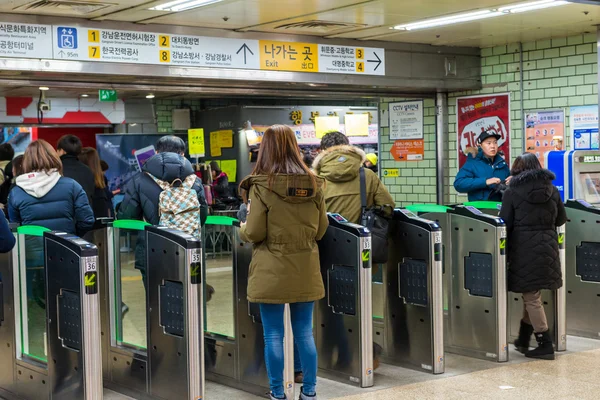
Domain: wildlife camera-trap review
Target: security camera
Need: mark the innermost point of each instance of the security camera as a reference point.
(44, 106)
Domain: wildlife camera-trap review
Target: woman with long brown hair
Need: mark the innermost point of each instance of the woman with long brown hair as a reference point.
(42, 196)
(101, 198)
(286, 216)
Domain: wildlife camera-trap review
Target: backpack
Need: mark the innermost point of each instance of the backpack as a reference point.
(5, 187)
(178, 205)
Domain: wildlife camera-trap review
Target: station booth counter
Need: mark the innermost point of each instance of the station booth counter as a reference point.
(49, 317)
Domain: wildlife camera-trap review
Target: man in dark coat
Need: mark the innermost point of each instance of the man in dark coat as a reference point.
(532, 209)
(69, 148)
(142, 193)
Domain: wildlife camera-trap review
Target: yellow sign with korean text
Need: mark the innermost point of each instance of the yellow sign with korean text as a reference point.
(196, 142)
(357, 124)
(215, 145)
(289, 56)
(326, 124)
(225, 138)
(230, 168)
(391, 173)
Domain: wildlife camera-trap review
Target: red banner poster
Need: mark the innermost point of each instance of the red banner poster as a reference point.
(477, 114)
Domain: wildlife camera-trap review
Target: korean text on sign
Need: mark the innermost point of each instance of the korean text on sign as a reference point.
(289, 56)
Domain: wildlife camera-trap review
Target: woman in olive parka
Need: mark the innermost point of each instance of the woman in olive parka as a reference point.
(285, 218)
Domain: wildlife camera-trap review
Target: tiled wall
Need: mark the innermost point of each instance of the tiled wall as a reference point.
(557, 73)
(416, 183)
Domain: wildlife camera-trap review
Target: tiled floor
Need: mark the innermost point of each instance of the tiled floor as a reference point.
(573, 375)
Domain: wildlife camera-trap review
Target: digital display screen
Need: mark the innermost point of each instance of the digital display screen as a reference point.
(590, 159)
(474, 210)
(590, 183)
(338, 217)
(408, 213)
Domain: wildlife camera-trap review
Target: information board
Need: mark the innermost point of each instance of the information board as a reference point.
(406, 120)
(72, 42)
(584, 128)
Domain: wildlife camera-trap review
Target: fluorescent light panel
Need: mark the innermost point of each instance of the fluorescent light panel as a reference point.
(481, 14)
(183, 5)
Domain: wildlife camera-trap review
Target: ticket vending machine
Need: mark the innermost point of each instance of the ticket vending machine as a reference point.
(577, 174)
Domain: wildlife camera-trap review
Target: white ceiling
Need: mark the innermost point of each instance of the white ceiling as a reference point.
(369, 19)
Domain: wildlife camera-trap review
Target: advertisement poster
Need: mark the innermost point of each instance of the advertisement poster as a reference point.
(545, 131)
(476, 114)
(584, 128)
(408, 150)
(406, 120)
(119, 152)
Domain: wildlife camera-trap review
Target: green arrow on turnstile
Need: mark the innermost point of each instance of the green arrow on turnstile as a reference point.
(195, 269)
(561, 238)
(89, 280)
(502, 244)
(366, 254)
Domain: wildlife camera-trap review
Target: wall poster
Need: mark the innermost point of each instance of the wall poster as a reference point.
(406, 120)
(584, 128)
(545, 131)
(476, 114)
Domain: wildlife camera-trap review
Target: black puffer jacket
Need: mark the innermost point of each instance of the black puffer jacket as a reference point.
(532, 209)
(142, 193)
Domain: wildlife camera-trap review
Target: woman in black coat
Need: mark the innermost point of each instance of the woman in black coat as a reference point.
(532, 209)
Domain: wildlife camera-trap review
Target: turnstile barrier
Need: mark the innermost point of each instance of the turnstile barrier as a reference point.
(235, 356)
(166, 361)
(343, 319)
(554, 302)
(414, 332)
(582, 269)
(63, 360)
(477, 299)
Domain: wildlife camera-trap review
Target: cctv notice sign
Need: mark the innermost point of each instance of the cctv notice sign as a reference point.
(477, 114)
(77, 43)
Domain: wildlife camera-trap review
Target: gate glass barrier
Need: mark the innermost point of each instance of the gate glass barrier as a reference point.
(582, 269)
(344, 318)
(130, 283)
(234, 345)
(54, 327)
(32, 291)
(219, 237)
(554, 302)
(414, 302)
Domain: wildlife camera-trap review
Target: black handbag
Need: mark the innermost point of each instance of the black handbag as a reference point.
(374, 220)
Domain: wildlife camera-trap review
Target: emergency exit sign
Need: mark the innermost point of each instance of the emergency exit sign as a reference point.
(107, 95)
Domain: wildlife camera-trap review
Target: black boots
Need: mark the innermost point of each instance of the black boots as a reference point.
(545, 350)
(525, 332)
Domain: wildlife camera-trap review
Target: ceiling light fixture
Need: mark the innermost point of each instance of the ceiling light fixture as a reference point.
(183, 5)
(480, 14)
(531, 5)
(150, 96)
(85, 95)
(44, 88)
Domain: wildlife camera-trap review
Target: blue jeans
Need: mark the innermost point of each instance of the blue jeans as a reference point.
(273, 329)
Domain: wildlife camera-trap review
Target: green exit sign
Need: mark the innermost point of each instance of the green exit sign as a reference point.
(107, 95)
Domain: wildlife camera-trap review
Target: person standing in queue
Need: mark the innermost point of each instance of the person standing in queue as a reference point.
(69, 148)
(286, 216)
(485, 170)
(532, 210)
(102, 196)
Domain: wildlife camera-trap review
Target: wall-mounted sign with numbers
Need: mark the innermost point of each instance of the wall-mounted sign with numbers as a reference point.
(72, 42)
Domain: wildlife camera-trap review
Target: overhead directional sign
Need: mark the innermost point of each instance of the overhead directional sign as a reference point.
(351, 60)
(71, 42)
(25, 40)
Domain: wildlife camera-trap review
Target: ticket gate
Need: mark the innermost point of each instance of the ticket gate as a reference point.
(234, 342)
(554, 302)
(156, 351)
(50, 339)
(414, 314)
(475, 281)
(582, 269)
(343, 319)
